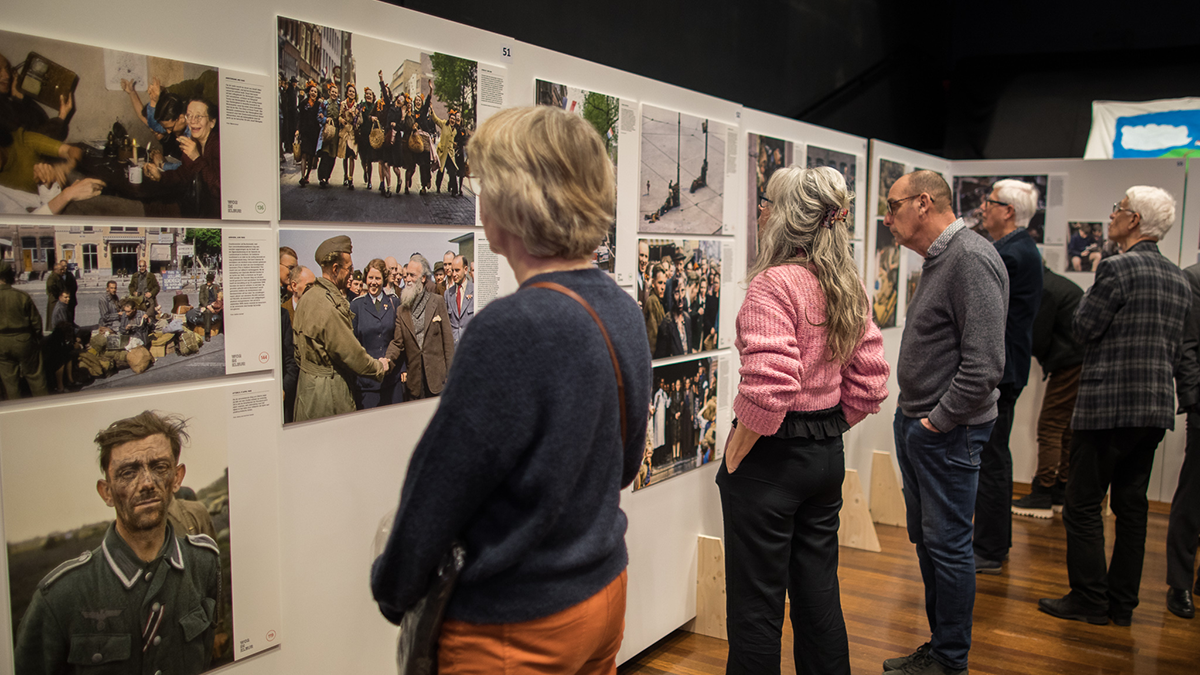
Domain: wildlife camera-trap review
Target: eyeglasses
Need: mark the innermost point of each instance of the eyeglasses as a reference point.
(986, 202)
(894, 204)
(195, 118)
(1117, 207)
(763, 203)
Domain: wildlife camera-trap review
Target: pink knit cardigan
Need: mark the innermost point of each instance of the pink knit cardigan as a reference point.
(785, 363)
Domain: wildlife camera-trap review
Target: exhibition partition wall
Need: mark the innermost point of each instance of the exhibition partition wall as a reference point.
(299, 509)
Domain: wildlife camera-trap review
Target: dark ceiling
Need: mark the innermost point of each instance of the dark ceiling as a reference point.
(963, 80)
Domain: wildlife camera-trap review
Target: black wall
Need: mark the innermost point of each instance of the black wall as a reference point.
(962, 80)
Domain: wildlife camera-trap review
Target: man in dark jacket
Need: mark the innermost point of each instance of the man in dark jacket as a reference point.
(1060, 356)
(1184, 527)
(1131, 322)
(1005, 213)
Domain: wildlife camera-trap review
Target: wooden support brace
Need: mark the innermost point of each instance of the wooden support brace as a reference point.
(710, 589)
(857, 530)
(887, 499)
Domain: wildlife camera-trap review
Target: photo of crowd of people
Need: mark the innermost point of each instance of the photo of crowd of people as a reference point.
(371, 333)
(970, 191)
(96, 132)
(766, 156)
(679, 291)
(845, 163)
(602, 112)
(1087, 246)
(102, 307)
(86, 503)
(682, 431)
(375, 133)
(887, 277)
(679, 149)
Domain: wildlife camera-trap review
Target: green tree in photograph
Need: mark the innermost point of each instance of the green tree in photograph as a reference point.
(454, 83)
(601, 112)
(206, 239)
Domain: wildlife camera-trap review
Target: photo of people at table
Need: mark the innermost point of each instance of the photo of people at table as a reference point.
(98, 132)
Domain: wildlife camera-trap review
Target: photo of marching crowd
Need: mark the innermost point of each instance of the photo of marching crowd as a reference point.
(359, 336)
(682, 431)
(601, 112)
(679, 291)
(373, 120)
(97, 307)
(98, 132)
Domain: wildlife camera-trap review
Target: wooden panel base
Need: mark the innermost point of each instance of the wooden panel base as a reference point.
(857, 530)
(887, 499)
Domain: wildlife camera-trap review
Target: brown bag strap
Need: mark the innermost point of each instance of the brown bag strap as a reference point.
(608, 341)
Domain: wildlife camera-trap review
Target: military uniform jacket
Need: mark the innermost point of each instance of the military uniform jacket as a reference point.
(18, 315)
(329, 355)
(151, 284)
(108, 612)
(1131, 325)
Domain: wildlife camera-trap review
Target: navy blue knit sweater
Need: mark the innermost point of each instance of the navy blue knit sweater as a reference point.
(523, 459)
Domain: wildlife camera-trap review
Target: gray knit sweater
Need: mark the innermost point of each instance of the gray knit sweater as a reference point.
(952, 353)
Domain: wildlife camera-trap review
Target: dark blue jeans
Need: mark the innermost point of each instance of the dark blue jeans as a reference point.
(941, 475)
(781, 521)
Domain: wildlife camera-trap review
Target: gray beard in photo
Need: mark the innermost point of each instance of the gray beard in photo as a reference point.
(409, 295)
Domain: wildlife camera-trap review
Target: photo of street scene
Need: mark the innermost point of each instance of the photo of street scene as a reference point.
(682, 432)
(601, 112)
(373, 131)
(71, 541)
(971, 191)
(887, 276)
(104, 307)
(679, 291)
(681, 150)
(378, 324)
(846, 164)
(767, 155)
(88, 131)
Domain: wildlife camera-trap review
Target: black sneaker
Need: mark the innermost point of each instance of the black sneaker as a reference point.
(1058, 496)
(1036, 504)
(900, 662)
(925, 664)
(985, 566)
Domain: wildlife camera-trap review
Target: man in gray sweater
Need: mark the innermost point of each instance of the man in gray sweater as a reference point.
(951, 359)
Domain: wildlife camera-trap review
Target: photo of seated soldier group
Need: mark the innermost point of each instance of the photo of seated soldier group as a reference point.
(69, 144)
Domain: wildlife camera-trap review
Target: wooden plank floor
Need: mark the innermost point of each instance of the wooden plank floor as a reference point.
(883, 601)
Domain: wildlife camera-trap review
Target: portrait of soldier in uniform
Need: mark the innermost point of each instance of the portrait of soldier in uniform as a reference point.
(149, 597)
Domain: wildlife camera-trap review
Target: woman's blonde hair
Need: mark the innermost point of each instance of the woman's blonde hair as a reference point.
(807, 226)
(546, 178)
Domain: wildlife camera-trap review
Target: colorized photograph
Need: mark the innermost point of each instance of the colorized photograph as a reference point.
(889, 173)
(767, 155)
(600, 111)
(846, 164)
(1087, 246)
(87, 131)
(371, 318)
(679, 290)
(95, 307)
(887, 277)
(682, 431)
(86, 504)
(679, 149)
(971, 191)
(373, 131)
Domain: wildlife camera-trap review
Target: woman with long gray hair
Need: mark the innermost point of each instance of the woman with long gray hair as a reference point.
(812, 367)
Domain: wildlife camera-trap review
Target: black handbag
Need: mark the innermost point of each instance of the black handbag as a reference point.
(416, 653)
(421, 625)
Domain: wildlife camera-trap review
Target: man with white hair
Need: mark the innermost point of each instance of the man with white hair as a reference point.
(1005, 214)
(1131, 323)
(423, 334)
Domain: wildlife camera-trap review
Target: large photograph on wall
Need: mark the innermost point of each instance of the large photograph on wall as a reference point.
(679, 290)
(107, 307)
(767, 155)
(602, 112)
(1087, 245)
(889, 173)
(379, 332)
(88, 131)
(887, 276)
(89, 501)
(846, 164)
(375, 131)
(971, 191)
(682, 432)
(683, 173)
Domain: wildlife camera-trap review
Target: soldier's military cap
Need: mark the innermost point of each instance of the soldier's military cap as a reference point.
(338, 244)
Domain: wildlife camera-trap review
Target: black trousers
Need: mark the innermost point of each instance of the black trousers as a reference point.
(325, 165)
(781, 521)
(1184, 527)
(1123, 459)
(993, 500)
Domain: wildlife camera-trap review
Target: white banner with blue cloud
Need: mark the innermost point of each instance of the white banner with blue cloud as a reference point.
(1164, 128)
